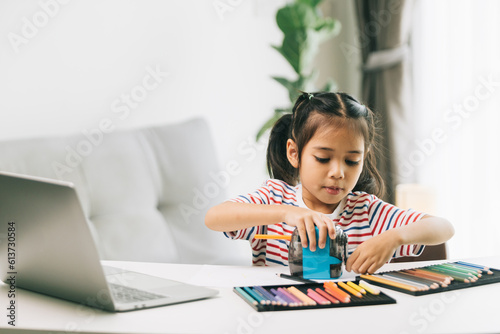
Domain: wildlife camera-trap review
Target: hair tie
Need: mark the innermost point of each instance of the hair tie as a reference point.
(310, 96)
(365, 109)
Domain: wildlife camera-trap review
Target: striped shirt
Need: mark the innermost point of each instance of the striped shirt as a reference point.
(360, 215)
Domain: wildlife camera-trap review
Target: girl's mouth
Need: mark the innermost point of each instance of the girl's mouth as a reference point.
(333, 190)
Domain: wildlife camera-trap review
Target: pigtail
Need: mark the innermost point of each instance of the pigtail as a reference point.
(278, 165)
(370, 180)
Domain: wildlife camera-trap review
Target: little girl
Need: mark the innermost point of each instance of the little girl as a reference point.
(326, 144)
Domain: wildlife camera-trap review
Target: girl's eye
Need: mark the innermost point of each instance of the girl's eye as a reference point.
(322, 160)
(352, 163)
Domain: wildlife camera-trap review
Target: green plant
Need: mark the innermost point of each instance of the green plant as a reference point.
(304, 29)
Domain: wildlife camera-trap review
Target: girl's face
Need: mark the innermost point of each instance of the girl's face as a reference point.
(330, 166)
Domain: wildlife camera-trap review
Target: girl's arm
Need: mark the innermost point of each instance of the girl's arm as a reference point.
(427, 231)
(232, 216)
(375, 252)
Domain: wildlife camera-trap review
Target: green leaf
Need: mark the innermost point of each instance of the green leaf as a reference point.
(304, 83)
(295, 16)
(291, 49)
(285, 82)
(312, 3)
(300, 49)
(270, 122)
(293, 61)
(291, 86)
(290, 56)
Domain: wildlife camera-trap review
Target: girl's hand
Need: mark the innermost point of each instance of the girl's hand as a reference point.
(373, 253)
(305, 220)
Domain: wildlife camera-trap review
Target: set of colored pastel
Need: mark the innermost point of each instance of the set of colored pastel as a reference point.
(434, 277)
(292, 296)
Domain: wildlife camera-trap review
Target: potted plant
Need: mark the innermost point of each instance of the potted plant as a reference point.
(304, 29)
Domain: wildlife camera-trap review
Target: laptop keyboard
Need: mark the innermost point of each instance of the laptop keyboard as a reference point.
(125, 294)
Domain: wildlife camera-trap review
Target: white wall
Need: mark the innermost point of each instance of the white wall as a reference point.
(67, 65)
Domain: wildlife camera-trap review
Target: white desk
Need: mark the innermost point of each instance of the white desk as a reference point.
(473, 310)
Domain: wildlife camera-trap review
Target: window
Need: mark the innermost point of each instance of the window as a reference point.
(456, 57)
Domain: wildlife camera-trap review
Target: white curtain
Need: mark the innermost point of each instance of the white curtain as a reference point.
(456, 57)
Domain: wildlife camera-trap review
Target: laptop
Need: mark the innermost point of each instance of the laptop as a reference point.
(46, 246)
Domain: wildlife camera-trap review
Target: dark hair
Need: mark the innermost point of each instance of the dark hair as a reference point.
(300, 126)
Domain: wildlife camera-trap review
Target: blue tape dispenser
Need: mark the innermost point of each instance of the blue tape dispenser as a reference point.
(323, 263)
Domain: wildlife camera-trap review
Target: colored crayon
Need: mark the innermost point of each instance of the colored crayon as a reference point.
(413, 280)
(480, 267)
(279, 298)
(427, 275)
(336, 292)
(461, 269)
(356, 287)
(455, 270)
(327, 296)
(389, 282)
(266, 299)
(246, 296)
(336, 295)
(349, 289)
(302, 296)
(288, 301)
(334, 286)
(266, 294)
(296, 300)
(368, 287)
(278, 237)
(419, 286)
(444, 280)
(445, 277)
(256, 295)
(457, 276)
(430, 283)
(293, 300)
(317, 297)
(475, 270)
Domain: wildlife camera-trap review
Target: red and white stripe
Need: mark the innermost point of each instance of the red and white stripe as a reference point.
(362, 217)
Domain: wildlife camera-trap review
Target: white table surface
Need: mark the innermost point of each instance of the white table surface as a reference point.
(472, 310)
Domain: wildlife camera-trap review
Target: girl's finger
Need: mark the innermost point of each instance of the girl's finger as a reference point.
(311, 233)
(351, 260)
(322, 233)
(363, 268)
(302, 234)
(331, 227)
(373, 268)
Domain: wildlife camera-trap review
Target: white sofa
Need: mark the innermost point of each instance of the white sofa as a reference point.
(145, 192)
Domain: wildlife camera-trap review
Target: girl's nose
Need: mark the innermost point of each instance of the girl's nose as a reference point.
(336, 171)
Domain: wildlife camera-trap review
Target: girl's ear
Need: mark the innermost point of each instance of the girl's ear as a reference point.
(292, 153)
